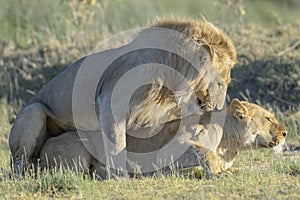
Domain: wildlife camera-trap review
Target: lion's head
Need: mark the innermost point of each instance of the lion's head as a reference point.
(221, 54)
(260, 126)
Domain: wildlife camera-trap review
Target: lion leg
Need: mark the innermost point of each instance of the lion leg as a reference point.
(65, 151)
(215, 166)
(114, 140)
(99, 169)
(27, 136)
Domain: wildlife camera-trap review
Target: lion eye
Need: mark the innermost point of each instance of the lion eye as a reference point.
(205, 59)
(220, 85)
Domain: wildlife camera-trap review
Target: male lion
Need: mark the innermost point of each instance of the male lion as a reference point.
(215, 148)
(66, 104)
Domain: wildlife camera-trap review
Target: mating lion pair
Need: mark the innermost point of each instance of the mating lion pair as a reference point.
(199, 58)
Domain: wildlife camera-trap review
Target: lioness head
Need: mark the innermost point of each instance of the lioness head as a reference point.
(220, 53)
(260, 126)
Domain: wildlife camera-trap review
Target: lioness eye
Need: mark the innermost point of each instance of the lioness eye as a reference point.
(284, 134)
(269, 119)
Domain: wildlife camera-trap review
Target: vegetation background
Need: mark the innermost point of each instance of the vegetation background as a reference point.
(40, 38)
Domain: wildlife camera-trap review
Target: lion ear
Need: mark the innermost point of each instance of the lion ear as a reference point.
(210, 50)
(238, 109)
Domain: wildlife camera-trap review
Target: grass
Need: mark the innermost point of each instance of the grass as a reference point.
(39, 38)
(258, 176)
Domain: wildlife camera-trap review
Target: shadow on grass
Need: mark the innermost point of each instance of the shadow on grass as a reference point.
(23, 75)
(275, 81)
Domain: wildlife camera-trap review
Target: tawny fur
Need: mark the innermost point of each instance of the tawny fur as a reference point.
(246, 125)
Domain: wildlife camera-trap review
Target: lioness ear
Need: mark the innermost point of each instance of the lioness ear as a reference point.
(238, 109)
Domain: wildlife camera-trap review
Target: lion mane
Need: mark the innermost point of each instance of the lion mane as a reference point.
(222, 53)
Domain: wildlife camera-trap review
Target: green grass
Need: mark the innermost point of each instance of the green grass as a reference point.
(257, 176)
(30, 23)
(39, 38)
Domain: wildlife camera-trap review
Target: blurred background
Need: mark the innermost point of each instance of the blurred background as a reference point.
(38, 39)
